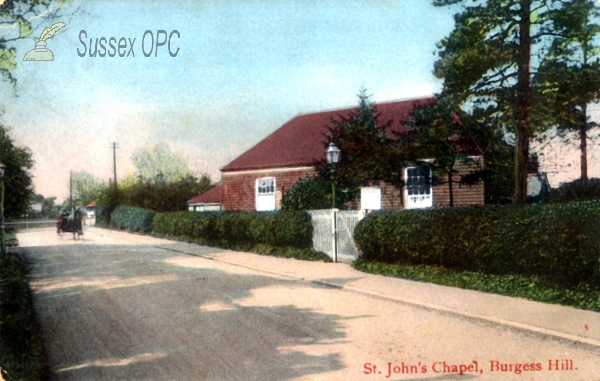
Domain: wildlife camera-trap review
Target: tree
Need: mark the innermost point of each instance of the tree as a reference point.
(18, 189)
(486, 61)
(49, 208)
(311, 193)
(85, 188)
(19, 14)
(368, 153)
(158, 164)
(571, 77)
(439, 136)
(498, 174)
(162, 196)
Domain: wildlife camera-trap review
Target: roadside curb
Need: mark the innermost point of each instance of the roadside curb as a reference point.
(420, 304)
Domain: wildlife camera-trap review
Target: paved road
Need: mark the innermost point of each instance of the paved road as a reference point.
(127, 307)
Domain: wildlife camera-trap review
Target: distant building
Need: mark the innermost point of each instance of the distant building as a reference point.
(209, 201)
(36, 207)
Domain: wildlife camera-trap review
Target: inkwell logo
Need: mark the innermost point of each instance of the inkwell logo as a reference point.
(41, 52)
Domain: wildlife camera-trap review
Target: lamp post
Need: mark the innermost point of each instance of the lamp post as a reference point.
(333, 157)
(2, 247)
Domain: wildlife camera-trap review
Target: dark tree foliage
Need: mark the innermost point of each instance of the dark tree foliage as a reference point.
(498, 156)
(368, 153)
(162, 196)
(570, 77)
(369, 157)
(311, 193)
(440, 137)
(18, 189)
(157, 196)
(577, 191)
(486, 62)
(446, 135)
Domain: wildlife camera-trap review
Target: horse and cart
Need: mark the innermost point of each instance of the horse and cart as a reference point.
(67, 224)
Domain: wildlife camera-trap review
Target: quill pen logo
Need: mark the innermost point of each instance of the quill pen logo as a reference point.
(40, 51)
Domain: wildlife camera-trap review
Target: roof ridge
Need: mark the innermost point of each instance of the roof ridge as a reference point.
(356, 106)
(299, 140)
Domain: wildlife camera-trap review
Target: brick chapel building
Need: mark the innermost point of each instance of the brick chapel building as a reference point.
(257, 179)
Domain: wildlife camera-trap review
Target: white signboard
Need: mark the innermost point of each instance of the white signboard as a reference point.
(370, 198)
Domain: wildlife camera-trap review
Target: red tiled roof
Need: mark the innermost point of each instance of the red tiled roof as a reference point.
(212, 196)
(301, 141)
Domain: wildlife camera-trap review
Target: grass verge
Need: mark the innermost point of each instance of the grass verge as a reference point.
(21, 352)
(509, 285)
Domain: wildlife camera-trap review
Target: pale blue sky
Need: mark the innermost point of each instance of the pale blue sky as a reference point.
(243, 69)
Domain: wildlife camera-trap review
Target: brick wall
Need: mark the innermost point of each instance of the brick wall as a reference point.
(390, 197)
(239, 192)
(463, 194)
(239, 187)
(394, 199)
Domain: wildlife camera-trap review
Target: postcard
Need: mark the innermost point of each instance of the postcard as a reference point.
(205, 114)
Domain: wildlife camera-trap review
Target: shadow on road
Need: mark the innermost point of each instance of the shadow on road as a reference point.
(139, 312)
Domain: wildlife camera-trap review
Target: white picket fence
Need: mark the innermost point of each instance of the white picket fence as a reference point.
(333, 230)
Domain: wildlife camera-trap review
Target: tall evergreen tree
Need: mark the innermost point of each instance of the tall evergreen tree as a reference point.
(439, 136)
(570, 77)
(368, 154)
(487, 62)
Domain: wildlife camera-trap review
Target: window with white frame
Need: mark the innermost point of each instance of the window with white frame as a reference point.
(418, 189)
(266, 195)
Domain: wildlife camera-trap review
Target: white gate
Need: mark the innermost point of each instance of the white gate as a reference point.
(333, 230)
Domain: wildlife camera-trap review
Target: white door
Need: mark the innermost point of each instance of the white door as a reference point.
(266, 198)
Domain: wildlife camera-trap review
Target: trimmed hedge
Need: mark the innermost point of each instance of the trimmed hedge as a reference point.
(103, 212)
(22, 354)
(132, 219)
(238, 230)
(558, 243)
(578, 190)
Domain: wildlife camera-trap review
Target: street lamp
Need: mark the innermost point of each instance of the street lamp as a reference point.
(333, 157)
(2, 248)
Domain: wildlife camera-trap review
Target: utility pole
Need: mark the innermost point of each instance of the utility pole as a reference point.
(115, 164)
(71, 193)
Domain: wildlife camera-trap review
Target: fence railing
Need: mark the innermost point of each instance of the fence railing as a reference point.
(35, 224)
(333, 230)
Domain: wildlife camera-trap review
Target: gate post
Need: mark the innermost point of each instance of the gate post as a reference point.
(335, 235)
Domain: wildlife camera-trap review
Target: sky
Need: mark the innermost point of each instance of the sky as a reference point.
(243, 69)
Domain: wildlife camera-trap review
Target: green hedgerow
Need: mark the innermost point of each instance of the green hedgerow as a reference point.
(558, 243)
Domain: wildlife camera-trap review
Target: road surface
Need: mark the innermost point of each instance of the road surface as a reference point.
(129, 307)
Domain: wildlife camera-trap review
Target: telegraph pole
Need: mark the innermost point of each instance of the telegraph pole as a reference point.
(115, 164)
(71, 193)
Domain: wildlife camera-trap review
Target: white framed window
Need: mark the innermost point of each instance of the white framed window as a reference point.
(418, 188)
(266, 195)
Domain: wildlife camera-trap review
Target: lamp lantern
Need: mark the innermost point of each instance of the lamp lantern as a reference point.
(333, 154)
